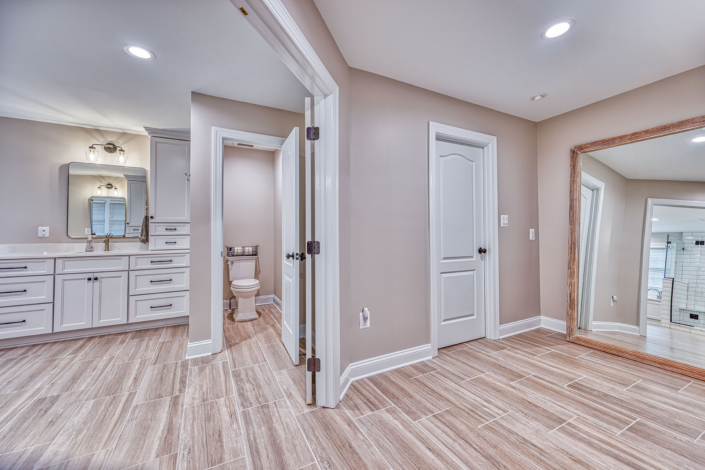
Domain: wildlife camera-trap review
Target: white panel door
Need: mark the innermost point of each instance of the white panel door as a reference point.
(169, 183)
(459, 271)
(586, 197)
(290, 244)
(73, 302)
(308, 205)
(109, 298)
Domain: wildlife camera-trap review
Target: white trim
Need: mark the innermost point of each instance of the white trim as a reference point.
(277, 303)
(259, 300)
(553, 324)
(73, 124)
(488, 143)
(590, 271)
(611, 326)
(198, 349)
(646, 248)
(514, 328)
(178, 134)
(277, 27)
(377, 365)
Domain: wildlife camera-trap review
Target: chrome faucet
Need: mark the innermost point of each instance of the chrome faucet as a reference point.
(106, 241)
(658, 293)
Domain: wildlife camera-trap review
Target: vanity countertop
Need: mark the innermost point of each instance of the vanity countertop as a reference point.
(74, 250)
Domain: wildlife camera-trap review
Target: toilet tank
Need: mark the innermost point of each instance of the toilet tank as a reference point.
(242, 267)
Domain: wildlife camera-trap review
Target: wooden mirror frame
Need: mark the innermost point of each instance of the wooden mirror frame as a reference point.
(574, 246)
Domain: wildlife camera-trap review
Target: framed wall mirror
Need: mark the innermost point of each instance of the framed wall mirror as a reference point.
(636, 273)
(106, 199)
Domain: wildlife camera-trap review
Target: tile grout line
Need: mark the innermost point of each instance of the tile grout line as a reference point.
(629, 426)
(685, 386)
(495, 419)
(245, 445)
(85, 399)
(371, 412)
(556, 429)
(632, 385)
(117, 441)
(438, 444)
(365, 434)
(433, 414)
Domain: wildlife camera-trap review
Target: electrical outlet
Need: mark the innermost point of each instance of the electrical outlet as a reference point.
(43, 232)
(532, 234)
(505, 221)
(88, 231)
(613, 300)
(364, 318)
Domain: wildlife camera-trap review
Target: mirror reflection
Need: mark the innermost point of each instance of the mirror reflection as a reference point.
(106, 199)
(642, 246)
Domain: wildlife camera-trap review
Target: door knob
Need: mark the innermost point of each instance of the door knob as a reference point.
(482, 251)
(290, 255)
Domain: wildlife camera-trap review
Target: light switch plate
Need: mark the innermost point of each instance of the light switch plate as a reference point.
(505, 221)
(43, 232)
(532, 234)
(88, 231)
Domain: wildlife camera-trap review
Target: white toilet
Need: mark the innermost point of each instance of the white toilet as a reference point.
(244, 286)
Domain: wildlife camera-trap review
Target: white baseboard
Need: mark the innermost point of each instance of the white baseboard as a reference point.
(611, 326)
(199, 348)
(377, 365)
(260, 300)
(528, 324)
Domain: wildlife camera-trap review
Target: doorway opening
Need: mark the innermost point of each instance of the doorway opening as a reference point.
(591, 195)
(464, 244)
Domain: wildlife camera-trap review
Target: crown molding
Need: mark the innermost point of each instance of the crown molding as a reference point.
(179, 134)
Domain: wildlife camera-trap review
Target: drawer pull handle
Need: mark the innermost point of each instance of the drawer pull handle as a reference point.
(14, 292)
(170, 243)
(171, 229)
(13, 322)
(16, 267)
(162, 261)
(155, 281)
(161, 306)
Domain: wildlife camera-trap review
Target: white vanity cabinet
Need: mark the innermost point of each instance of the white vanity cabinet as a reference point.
(169, 181)
(89, 300)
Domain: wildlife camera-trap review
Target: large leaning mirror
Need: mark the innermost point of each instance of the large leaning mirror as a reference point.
(637, 259)
(106, 199)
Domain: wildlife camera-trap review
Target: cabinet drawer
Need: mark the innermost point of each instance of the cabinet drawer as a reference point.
(26, 267)
(92, 265)
(181, 242)
(25, 320)
(26, 290)
(158, 280)
(158, 306)
(159, 261)
(169, 229)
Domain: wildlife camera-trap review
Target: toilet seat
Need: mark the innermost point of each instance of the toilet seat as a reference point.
(245, 283)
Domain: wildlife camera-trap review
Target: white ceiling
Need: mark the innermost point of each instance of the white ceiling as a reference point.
(63, 61)
(678, 219)
(490, 52)
(675, 157)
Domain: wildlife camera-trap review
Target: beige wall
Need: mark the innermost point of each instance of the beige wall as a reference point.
(389, 220)
(34, 158)
(673, 99)
(208, 112)
(609, 240)
(249, 211)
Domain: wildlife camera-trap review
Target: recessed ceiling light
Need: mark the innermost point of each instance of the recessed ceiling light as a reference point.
(699, 139)
(557, 29)
(139, 52)
(654, 220)
(538, 97)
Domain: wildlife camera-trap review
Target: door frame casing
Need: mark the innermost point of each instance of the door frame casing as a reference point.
(276, 26)
(590, 274)
(488, 144)
(646, 248)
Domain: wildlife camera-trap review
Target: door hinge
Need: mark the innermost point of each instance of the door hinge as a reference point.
(312, 133)
(313, 364)
(313, 248)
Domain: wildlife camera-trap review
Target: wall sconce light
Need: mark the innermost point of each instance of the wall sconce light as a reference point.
(93, 152)
(109, 188)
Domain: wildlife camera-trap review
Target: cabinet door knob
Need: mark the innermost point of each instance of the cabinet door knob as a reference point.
(95, 278)
(482, 251)
(90, 279)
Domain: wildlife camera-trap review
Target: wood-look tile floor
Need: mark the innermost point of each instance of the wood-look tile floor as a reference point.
(525, 402)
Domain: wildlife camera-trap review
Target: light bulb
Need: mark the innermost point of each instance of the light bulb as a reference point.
(121, 157)
(116, 192)
(99, 191)
(92, 154)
